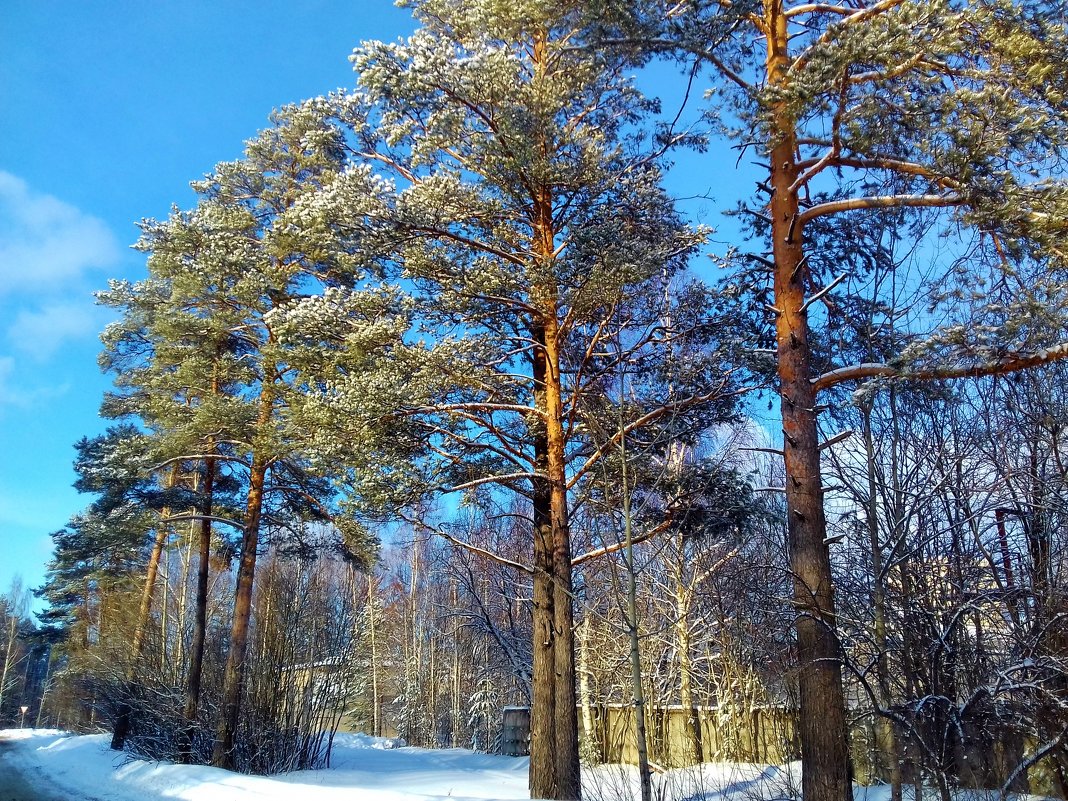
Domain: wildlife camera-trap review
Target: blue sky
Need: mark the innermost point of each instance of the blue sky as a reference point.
(108, 109)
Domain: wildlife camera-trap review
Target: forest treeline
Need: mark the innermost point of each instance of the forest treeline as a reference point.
(427, 408)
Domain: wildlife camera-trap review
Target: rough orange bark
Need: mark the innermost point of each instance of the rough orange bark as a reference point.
(825, 753)
(234, 678)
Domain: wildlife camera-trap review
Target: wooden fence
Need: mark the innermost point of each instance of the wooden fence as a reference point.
(766, 735)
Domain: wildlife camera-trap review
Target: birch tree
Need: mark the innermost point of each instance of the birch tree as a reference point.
(14, 612)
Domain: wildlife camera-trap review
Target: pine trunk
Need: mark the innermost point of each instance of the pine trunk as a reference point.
(566, 700)
(123, 718)
(542, 778)
(200, 613)
(234, 678)
(554, 753)
(200, 617)
(824, 747)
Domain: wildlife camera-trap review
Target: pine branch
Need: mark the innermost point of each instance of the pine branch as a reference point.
(476, 549)
(198, 456)
(1000, 366)
(617, 546)
(879, 202)
(839, 437)
(212, 518)
(819, 8)
(823, 292)
(501, 479)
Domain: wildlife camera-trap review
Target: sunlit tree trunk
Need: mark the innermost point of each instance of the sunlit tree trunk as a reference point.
(234, 677)
(567, 752)
(824, 749)
(554, 753)
(542, 780)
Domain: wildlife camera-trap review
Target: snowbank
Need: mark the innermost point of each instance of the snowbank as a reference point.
(83, 768)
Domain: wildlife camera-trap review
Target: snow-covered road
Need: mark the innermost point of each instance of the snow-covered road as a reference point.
(14, 786)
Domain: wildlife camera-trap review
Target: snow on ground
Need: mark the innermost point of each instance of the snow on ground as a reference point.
(85, 769)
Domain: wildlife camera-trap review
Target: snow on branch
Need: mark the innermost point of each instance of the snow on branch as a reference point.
(839, 437)
(999, 366)
(190, 457)
(459, 543)
(819, 8)
(823, 292)
(507, 478)
(878, 202)
(858, 16)
(483, 551)
(618, 546)
(774, 451)
(213, 518)
(473, 406)
(1040, 753)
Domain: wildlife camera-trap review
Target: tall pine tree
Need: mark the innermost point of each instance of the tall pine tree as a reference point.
(521, 230)
(885, 107)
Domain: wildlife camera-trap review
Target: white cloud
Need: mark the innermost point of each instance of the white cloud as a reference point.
(40, 332)
(45, 244)
(15, 394)
(51, 253)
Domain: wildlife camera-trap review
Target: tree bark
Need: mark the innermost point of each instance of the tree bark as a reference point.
(234, 677)
(824, 748)
(542, 778)
(123, 719)
(567, 751)
(554, 752)
(200, 617)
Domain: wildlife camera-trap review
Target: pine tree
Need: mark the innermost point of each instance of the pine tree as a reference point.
(200, 366)
(520, 229)
(889, 107)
